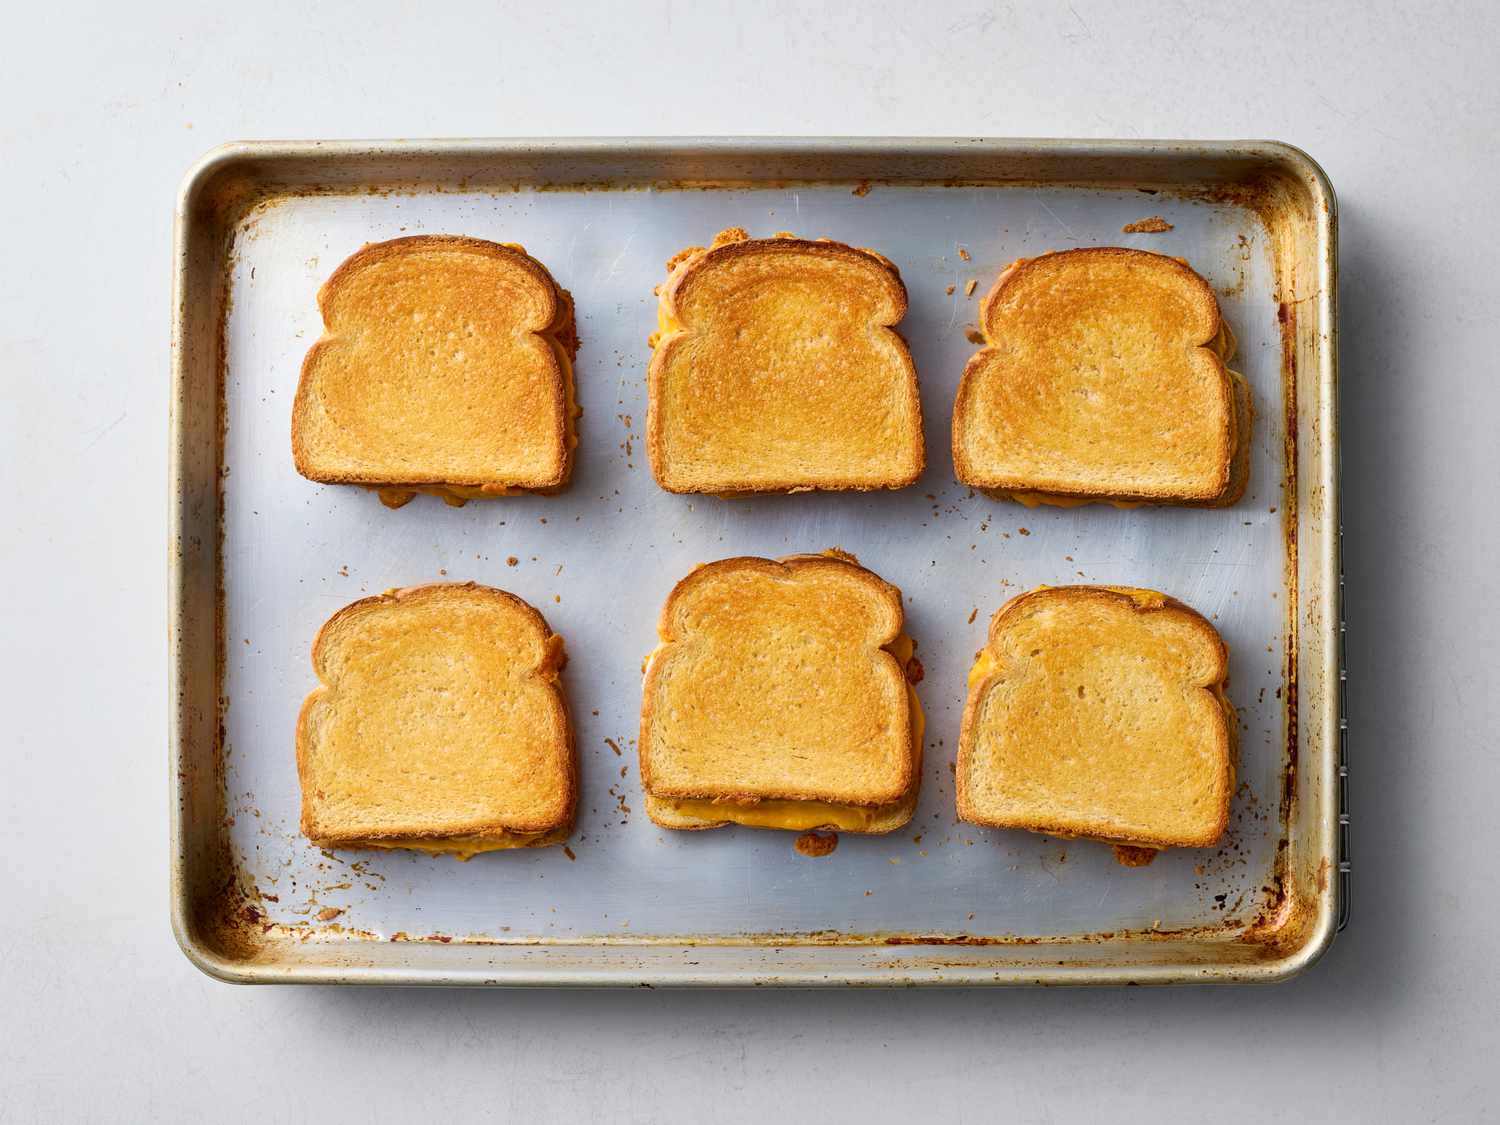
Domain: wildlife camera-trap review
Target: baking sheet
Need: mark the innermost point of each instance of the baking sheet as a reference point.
(598, 560)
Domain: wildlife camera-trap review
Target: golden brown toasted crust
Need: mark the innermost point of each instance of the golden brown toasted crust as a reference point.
(1102, 378)
(439, 716)
(445, 366)
(778, 368)
(762, 664)
(1115, 726)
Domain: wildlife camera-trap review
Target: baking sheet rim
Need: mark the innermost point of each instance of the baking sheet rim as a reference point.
(1329, 908)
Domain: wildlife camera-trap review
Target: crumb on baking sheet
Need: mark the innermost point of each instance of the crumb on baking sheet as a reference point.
(815, 845)
(948, 292)
(1153, 225)
(861, 189)
(973, 335)
(964, 254)
(969, 287)
(1127, 855)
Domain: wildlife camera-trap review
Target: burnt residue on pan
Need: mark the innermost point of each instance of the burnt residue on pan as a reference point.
(1286, 319)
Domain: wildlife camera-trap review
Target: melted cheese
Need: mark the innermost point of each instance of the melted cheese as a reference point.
(794, 816)
(454, 495)
(800, 816)
(1232, 717)
(903, 648)
(462, 848)
(985, 663)
(570, 395)
(666, 324)
(1145, 599)
(1224, 345)
(1032, 499)
(752, 493)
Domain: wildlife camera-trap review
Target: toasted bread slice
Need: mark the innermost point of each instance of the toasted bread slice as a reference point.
(779, 698)
(439, 725)
(1099, 711)
(446, 367)
(1103, 378)
(777, 368)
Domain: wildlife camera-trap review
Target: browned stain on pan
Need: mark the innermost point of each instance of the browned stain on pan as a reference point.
(815, 845)
(1286, 319)
(1127, 855)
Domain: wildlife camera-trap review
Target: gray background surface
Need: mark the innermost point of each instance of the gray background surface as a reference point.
(100, 1016)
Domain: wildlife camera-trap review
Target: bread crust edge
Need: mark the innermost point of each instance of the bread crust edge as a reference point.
(561, 335)
(1221, 494)
(686, 266)
(1227, 743)
(880, 589)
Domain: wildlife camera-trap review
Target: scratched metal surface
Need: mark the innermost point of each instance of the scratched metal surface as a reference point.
(599, 559)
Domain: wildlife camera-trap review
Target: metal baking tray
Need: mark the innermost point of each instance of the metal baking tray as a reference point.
(260, 557)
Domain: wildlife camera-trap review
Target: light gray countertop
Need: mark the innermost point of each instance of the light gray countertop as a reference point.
(101, 1018)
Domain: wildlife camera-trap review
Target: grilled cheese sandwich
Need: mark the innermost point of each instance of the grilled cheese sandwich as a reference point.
(1103, 379)
(1100, 712)
(800, 816)
(774, 701)
(776, 367)
(438, 726)
(445, 368)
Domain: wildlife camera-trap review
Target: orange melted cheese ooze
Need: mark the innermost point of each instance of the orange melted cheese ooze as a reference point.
(459, 847)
